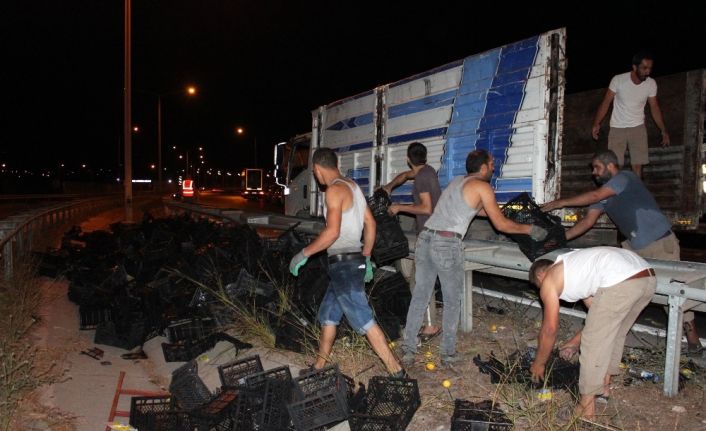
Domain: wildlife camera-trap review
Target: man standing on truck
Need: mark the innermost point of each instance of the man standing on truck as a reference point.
(425, 192)
(637, 216)
(629, 92)
(347, 217)
(439, 250)
(616, 285)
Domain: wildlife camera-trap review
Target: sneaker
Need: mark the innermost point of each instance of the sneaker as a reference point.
(401, 374)
(409, 358)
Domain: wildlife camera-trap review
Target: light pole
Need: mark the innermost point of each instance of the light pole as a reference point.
(127, 111)
(191, 91)
(241, 131)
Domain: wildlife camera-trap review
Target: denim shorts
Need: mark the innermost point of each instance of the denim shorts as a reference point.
(346, 296)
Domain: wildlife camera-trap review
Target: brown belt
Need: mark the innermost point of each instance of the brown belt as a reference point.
(649, 272)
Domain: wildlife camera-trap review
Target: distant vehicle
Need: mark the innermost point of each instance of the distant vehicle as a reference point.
(253, 184)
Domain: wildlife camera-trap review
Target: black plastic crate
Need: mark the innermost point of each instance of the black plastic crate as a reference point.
(320, 398)
(522, 209)
(142, 407)
(120, 335)
(91, 317)
(216, 414)
(390, 241)
(389, 405)
(172, 420)
(256, 385)
(183, 351)
(379, 203)
(274, 414)
(481, 416)
(189, 329)
(188, 388)
(234, 373)
(246, 284)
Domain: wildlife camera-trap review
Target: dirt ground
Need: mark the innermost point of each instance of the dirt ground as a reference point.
(637, 405)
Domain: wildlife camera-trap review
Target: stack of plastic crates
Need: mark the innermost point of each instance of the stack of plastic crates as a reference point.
(481, 416)
(92, 316)
(320, 398)
(390, 241)
(522, 209)
(389, 405)
(188, 338)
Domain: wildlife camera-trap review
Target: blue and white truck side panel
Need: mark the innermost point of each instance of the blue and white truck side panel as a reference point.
(506, 100)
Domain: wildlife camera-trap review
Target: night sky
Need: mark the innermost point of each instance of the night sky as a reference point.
(264, 65)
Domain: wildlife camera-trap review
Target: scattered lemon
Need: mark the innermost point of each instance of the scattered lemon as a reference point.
(446, 383)
(427, 354)
(493, 328)
(430, 366)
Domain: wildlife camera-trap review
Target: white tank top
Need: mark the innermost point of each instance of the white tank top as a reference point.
(351, 222)
(590, 269)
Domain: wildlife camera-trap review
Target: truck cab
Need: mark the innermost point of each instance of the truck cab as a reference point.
(292, 173)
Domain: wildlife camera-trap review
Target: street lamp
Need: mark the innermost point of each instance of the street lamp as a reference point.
(191, 91)
(241, 131)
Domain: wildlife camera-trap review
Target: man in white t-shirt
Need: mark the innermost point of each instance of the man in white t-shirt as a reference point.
(615, 285)
(629, 92)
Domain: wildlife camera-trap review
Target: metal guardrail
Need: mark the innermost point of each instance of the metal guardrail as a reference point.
(19, 232)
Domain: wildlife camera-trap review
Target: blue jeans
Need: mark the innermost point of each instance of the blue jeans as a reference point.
(434, 256)
(346, 296)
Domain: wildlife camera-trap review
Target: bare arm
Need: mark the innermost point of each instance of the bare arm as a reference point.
(398, 180)
(584, 224)
(601, 112)
(369, 227)
(490, 205)
(550, 327)
(423, 207)
(657, 116)
(581, 200)
(335, 195)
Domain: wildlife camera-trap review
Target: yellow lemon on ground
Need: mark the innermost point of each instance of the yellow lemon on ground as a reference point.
(427, 354)
(446, 383)
(431, 366)
(493, 328)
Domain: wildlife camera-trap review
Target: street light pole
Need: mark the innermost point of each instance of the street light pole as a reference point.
(127, 112)
(159, 143)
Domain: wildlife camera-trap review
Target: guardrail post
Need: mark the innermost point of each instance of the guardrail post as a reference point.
(7, 258)
(674, 334)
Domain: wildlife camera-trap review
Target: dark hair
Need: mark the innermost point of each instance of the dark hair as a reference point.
(639, 56)
(325, 157)
(605, 157)
(417, 153)
(538, 266)
(475, 160)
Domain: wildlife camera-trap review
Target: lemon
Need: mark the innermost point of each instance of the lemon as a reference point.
(493, 328)
(446, 383)
(431, 366)
(427, 354)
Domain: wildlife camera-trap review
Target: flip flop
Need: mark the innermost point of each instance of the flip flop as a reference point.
(428, 337)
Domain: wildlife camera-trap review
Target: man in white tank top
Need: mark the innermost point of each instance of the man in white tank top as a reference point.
(615, 285)
(629, 92)
(347, 217)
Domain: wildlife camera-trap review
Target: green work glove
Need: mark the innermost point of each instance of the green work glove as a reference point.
(297, 262)
(368, 270)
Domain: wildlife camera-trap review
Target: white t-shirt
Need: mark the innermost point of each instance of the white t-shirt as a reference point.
(630, 99)
(590, 269)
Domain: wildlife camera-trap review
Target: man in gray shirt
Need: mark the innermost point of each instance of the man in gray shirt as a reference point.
(439, 250)
(426, 192)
